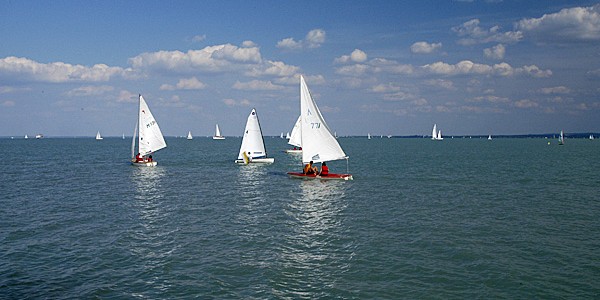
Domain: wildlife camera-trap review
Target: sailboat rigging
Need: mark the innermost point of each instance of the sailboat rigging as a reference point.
(150, 138)
(318, 143)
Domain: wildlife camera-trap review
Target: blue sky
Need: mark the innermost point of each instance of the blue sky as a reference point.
(71, 68)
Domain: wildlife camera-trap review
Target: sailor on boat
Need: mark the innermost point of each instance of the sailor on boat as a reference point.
(309, 169)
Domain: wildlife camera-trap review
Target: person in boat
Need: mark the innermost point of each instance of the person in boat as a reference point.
(324, 169)
(150, 158)
(138, 158)
(309, 169)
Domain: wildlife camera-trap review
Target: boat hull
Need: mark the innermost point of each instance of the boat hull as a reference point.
(330, 176)
(144, 163)
(218, 137)
(268, 160)
(292, 151)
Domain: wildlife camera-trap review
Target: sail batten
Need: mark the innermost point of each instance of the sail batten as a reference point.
(318, 143)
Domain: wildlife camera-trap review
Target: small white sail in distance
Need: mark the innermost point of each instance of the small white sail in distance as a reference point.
(318, 144)
(98, 136)
(218, 135)
(189, 136)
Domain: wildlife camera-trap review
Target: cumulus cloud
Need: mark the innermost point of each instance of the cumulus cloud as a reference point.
(496, 52)
(569, 24)
(555, 90)
(313, 39)
(231, 102)
(209, 59)
(472, 33)
(199, 38)
(424, 47)
(18, 68)
(8, 103)
(185, 84)
(256, 85)
(357, 56)
(525, 103)
(90, 90)
(469, 67)
(272, 68)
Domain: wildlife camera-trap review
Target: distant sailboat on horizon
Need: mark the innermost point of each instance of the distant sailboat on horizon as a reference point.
(218, 135)
(189, 136)
(98, 136)
(561, 138)
(436, 134)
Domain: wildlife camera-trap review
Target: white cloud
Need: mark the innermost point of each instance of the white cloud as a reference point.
(199, 38)
(273, 68)
(231, 102)
(569, 24)
(496, 52)
(209, 59)
(525, 103)
(424, 47)
(314, 39)
(555, 90)
(185, 84)
(18, 68)
(8, 103)
(256, 85)
(249, 44)
(357, 56)
(90, 90)
(469, 67)
(472, 34)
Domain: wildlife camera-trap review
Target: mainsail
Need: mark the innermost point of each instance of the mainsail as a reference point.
(318, 144)
(252, 142)
(150, 138)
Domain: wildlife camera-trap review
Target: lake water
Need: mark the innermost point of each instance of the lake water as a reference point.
(461, 218)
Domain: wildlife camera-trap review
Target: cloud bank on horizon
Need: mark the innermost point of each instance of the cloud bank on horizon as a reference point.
(475, 76)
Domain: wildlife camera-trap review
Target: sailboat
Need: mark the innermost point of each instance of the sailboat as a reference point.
(26, 137)
(436, 135)
(561, 138)
(98, 136)
(489, 137)
(288, 136)
(296, 137)
(591, 137)
(189, 136)
(253, 149)
(318, 144)
(150, 137)
(218, 135)
(368, 136)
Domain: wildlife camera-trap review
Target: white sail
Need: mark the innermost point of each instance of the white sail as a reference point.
(253, 145)
(98, 136)
(489, 137)
(434, 132)
(318, 144)
(218, 135)
(561, 138)
(288, 136)
(439, 135)
(189, 136)
(296, 138)
(150, 138)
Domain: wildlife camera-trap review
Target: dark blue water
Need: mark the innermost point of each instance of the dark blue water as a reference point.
(461, 218)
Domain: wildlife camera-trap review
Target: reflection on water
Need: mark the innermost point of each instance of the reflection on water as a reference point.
(251, 181)
(152, 237)
(317, 250)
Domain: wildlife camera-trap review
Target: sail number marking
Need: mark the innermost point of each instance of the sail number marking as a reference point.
(315, 125)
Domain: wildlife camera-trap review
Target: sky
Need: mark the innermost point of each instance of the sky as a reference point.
(72, 68)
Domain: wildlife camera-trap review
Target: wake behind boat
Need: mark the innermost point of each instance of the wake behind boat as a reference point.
(253, 149)
(150, 137)
(318, 144)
